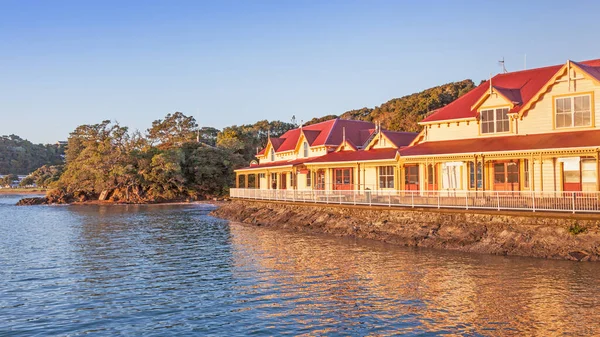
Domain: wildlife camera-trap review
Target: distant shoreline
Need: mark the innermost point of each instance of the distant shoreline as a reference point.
(22, 191)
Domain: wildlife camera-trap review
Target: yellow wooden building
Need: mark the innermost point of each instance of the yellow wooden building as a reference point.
(531, 130)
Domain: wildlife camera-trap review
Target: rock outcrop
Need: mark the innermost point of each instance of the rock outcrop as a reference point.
(553, 236)
(32, 201)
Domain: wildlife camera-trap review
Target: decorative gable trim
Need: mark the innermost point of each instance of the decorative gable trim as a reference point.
(345, 145)
(535, 98)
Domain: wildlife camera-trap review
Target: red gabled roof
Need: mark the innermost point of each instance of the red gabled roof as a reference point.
(328, 133)
(520, 84)
(310, 135)
(281, 163)
(590, 68)
(352, 129)
(400, 139)
(277, 142)
(360, 155)
(556, 140)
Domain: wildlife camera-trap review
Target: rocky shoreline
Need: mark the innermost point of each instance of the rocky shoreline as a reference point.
(45, 201)
(550, 236)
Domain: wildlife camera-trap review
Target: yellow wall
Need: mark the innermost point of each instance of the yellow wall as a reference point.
(452, 131)
(539, 118)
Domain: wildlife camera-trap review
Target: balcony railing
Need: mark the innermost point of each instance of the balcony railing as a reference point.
(575, 202)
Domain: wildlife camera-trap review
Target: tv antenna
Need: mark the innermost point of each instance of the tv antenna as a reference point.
(501, 63)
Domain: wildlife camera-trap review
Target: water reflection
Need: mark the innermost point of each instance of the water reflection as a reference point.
(326, 283)
(174, 270)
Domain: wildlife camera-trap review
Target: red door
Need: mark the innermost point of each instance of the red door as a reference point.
(411, 177)
(506, 176)
(320, 180)
(283, 181)
(432, 177)
(342, 179)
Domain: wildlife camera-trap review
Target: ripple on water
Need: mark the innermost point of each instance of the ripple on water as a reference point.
(157, 270)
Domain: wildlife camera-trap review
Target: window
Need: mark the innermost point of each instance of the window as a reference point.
(305, 149)
(494, 120)
(588, 175)
(272, 155)
(308, 178)
(411, 177)
(274, 181)
(431, 174)
(475, 176)
(386, 177)
(293, 178)
(573, 111)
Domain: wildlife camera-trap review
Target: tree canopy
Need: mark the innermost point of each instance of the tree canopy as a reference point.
(404, 113)
(19, 156)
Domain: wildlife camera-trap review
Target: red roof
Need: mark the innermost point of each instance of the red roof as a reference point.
(590, 68)
(280, 163)
(556, 140)
(325, 133)
(400, 139)
(360, 155)
(519, 86)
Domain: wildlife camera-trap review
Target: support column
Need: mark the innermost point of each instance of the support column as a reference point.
(541, 173)
(246, 177)
(483, 173)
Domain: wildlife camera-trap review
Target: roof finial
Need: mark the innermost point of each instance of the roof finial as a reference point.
(491, 91)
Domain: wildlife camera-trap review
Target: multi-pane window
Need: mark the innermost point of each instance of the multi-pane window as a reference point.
(308, 178)
(573, 111)
(305, 149)
(272, 155)
(431, 178)
(274, 181)
(386, 177)
(475, 176)
(495, 120)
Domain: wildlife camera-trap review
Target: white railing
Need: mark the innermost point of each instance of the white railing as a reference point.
(575, 202)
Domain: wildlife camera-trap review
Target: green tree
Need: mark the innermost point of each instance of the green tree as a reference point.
(174, 130)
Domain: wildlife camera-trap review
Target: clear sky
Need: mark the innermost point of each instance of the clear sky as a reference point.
(66, 63)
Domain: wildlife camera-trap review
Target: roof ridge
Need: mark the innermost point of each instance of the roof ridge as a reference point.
(331, 131)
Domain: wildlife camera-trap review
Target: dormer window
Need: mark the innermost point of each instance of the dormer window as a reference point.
(305, 149)
(495, 120)
(573, 111)
(272, 155)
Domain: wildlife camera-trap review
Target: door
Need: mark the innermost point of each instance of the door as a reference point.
(342, 179)
(283, 181)
(320, 180)
(432, 184)
(506, 176)
(411, 177)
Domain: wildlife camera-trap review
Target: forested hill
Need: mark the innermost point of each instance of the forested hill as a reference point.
(403, 114)
(20, 156)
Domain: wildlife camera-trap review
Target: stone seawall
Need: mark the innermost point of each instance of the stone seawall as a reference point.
(549, 235)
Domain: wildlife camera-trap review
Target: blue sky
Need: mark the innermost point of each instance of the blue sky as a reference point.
(66, 63)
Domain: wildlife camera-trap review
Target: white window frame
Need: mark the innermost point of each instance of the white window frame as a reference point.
(305, 149)
(495, 119)
(386, 175)
(572, 111)
(272, 154)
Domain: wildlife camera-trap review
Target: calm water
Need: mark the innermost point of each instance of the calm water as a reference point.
(173, 270)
